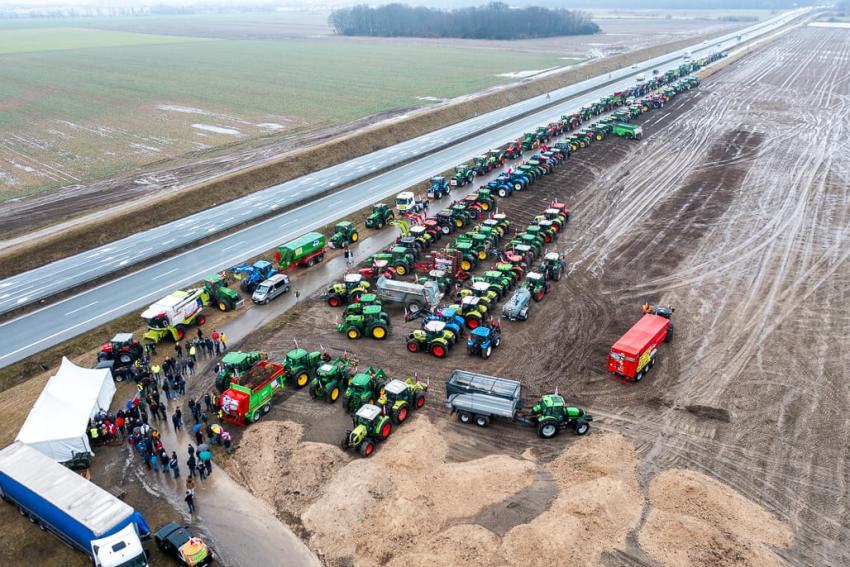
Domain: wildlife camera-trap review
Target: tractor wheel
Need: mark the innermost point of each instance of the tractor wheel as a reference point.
(379, 226)
(639, 376)
(401, 269)
(538, 296)
(487, 352)
(266, 408)
(581, 427)
(482, 420)
(439, 350)
(523, 316)
(311, 262)
(547, 430)
(125, 358)
(314, 391)
(379, 332)
(353, 333)
(355, 297)
(419, 400)
(413, 346)
(558, 274)
(302, 379)
(497, 342)
(466, 265)
(517, 186)
(255, 416)
(464, 417)
(180, 331)
(446, 229)
(400, 416)
(502, 192)
(354, 236)
(367, 447)
(334, 301)
(669, 336)
(482, 255)
(386, 429)
(599, 137)
(473, 323)
(458, 223)
(320, 258)
(333, 395)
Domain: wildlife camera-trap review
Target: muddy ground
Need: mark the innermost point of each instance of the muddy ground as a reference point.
(732, 451)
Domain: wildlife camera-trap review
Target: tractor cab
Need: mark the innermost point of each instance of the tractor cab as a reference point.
(462, 176)
(296, 358)
(367, 416)
(536, 283)
(434, 328)
(552, 266)
(483, 340)
(421, 234)
(665, 311)
(494, 225)
(363, 389)
(353, 281)
(370, 426)
(508, 270)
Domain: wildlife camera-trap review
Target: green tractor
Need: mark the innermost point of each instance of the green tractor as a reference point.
(548, 229)
(225, 298)
(373, 322)
(466, 252)
(401, 260)
(399, 397)
(440, 277)
(364, 388)
(488, 294)
(536, 284)
(370, 427)
(234, 365)
(481, 165)
(421, 236)
(472, 309)
(331, 378)
(366, 300)
(552, 266)
(300, 366)
(348, 291)
(552, 414)
(380, 216)
(433, 338)
(510, 271)
(497, 277)
(344, 234)
(463, 175)
(460, 216)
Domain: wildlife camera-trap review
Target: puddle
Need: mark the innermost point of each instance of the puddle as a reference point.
(521, 508)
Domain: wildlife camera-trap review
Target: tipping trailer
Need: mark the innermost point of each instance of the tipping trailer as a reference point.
(249, 401)
(634, 354)
(306, 250)
(414, 296)
(75, 510)
(478, 398)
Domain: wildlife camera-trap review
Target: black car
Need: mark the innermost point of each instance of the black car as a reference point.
(172, 536)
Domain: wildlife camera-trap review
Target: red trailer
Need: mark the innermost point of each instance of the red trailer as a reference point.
(634, 354)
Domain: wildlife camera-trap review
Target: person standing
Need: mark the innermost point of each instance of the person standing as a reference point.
(157, 373)
(175, 466)
(175, 420)
(178, 348)
(208, 402)
(192, 464)
(193, 351)
(190, 365)
(223, 338)
(190, 500)
(163, 460)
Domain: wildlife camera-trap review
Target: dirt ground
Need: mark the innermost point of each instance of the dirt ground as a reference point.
(731, 451)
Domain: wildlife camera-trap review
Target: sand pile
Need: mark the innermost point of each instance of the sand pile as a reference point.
(695, 520)
(392, 507)
(599, 501)
(276, 465)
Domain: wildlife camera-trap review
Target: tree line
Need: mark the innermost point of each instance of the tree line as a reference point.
(492, 21)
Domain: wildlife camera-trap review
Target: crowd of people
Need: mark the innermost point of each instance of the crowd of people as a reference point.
(159, 390)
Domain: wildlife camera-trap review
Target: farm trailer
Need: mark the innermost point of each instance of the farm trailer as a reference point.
(249, 401)
(306, 250)
(634, 354)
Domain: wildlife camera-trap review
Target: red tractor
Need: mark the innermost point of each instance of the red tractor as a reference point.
(123, 349)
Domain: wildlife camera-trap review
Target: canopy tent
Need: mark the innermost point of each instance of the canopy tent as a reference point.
(58, 422)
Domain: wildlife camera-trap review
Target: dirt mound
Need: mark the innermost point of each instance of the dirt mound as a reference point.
(276, 465)
(599, 501)
(720, 526)
(391, 506)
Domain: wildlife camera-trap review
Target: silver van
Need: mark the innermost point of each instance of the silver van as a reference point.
(270, 289)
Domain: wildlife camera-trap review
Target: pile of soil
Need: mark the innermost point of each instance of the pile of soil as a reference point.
(721, 526)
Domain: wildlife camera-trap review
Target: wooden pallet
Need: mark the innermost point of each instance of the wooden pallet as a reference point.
(117, 492)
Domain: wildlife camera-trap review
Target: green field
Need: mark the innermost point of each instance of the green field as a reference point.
(79, 103)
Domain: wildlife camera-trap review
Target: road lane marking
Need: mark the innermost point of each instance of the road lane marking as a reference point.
(163, 274)
(80, 308)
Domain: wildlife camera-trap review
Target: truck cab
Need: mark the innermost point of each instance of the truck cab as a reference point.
(405, 201)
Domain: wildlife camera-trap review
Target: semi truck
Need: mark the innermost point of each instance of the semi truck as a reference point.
(77, 511)
(170, 316)
(634, 354)
(478, 398)
(306, 250)
(251, 399)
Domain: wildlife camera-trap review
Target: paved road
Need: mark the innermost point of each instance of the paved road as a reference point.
(57, 322)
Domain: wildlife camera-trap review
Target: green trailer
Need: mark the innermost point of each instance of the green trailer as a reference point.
(234, 365)
(306, 250)
(630, 131)
(249, 401)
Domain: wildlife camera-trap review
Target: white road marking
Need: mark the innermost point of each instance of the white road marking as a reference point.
(81, 308)
(163, 274)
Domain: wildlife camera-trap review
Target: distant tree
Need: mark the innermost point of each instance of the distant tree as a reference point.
(496, 20)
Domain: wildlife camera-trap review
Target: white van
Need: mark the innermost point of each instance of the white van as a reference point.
(270, 289)
(405, 201)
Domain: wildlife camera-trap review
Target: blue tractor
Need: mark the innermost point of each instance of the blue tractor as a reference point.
(515, 179)
(483, 340)
(500, 188)
(439, 187)
(253, 275)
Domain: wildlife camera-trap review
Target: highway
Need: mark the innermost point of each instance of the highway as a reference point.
(60, 321)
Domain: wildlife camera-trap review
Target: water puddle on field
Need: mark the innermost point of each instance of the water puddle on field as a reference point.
(520, 508)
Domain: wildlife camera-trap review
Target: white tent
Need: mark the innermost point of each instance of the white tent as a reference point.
(58, 422)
